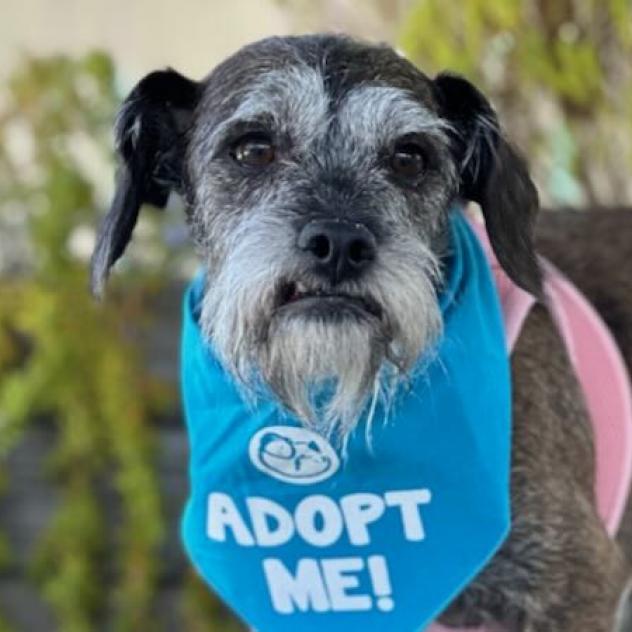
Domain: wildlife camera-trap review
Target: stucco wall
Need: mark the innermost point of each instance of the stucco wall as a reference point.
(141, 35)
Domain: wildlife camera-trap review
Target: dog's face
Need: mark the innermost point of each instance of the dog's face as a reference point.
(318, 173)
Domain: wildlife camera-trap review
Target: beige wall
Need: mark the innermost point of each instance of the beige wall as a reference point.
(142, 35)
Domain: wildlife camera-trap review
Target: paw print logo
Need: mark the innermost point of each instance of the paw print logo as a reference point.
(293, 455)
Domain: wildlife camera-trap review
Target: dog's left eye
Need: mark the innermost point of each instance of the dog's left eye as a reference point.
(254, 150)
(408, 160)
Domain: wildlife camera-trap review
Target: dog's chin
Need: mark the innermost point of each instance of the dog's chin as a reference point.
(322, 359)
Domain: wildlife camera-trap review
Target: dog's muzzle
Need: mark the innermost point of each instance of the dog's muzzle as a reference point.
(337, 254)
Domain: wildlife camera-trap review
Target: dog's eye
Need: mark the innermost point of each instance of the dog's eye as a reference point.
(408, 160)
(254, 150)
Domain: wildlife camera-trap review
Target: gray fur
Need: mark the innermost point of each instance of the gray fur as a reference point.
(289, 353)
(294, 98)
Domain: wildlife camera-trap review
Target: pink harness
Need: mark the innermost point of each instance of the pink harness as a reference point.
(600, 370)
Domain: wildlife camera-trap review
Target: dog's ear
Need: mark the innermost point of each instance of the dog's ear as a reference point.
(149, 135)
(495, 176)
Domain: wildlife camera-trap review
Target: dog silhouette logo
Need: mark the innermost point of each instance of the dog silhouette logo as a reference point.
(293, 455)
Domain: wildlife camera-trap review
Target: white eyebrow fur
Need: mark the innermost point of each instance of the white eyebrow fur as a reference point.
(295, 97)
(375, 114)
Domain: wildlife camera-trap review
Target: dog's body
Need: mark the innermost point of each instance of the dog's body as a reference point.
(318, 173)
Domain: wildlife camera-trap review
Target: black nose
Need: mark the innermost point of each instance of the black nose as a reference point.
(340, 250)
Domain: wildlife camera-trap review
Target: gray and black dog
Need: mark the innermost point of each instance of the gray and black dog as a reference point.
(317, 174)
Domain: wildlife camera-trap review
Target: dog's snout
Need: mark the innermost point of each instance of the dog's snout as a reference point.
(339, 250)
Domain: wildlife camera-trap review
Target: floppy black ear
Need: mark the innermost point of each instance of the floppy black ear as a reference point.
(495, 176)
(149, 133)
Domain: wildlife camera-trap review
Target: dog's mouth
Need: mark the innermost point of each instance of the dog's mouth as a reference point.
(324, 302)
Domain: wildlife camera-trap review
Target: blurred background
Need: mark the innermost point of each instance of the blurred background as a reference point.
(93, 455)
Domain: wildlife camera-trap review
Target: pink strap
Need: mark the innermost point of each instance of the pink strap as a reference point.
(604, 378)
(600, 370)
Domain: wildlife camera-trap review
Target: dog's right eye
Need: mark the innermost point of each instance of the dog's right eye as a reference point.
(254, 150)
(408, 160)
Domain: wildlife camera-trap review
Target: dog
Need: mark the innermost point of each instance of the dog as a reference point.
(317, 172)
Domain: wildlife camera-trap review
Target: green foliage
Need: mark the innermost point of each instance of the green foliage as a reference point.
(203, 613)
(68, 360)
(544, 44)
(72, 363)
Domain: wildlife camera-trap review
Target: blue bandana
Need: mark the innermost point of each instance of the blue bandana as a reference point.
(295, 537)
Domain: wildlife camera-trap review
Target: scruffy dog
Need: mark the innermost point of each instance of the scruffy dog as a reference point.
(317, 173)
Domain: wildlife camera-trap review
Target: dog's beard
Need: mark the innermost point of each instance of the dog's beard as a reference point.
(323, 370)
(328, 371)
